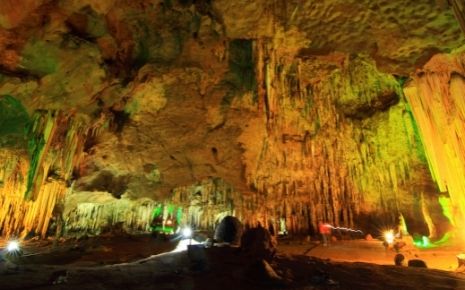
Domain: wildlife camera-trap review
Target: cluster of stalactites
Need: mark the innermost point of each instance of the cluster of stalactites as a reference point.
(206, 203)
(93, 218)
(319, 161)
(202, 206)
(33, 185)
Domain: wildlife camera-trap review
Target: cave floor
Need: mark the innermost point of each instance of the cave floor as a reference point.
(441, 258)
(135, 262)
(93, 251)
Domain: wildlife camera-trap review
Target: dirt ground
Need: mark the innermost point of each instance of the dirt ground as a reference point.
(128, 262)
(441, 258)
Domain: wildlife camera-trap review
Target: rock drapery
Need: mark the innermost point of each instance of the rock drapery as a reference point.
(436, 97)
(34, 180)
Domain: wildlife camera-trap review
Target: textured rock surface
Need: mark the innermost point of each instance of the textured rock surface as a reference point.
(266, 110)
(397, 34)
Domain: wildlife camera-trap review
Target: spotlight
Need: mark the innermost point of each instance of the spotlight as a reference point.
(187, 233)
(12, 246)
(389, 236)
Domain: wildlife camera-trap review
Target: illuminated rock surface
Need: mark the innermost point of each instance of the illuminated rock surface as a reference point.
(277, 112)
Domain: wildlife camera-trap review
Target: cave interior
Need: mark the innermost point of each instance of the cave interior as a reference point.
(282, 114)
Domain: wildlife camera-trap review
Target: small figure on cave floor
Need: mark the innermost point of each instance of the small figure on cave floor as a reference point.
(325, 232)
(398, 245)
(399, 260)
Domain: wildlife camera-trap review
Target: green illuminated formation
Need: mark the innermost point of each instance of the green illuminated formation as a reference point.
(360, 90)
(40, 133)
(446, 206)
(157, 211)
(166, 219)
(424, 242)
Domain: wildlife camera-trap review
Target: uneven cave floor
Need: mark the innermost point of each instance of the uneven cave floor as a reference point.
(141, 262)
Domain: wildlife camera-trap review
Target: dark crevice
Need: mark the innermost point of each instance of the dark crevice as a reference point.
(120, 119)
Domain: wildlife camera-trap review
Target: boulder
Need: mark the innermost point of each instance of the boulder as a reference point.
(197, 257)
(261, 272)
(258, 243)
(417, 263)
(229, 230)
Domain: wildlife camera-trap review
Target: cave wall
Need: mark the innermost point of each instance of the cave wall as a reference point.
(339, 144)
(267, 110)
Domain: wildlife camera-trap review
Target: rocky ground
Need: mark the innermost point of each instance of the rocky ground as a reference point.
(117, 263)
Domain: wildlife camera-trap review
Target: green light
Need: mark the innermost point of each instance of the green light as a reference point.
(163, 229)
(426, 243)
(446, 206)
(445, 238)
(423, 243)
(179, 215)
(163, 213)
(170, 209)
(157, 211)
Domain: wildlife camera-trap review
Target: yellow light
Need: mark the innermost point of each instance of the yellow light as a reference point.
(187, 232)
(13, 246)
(389, 236)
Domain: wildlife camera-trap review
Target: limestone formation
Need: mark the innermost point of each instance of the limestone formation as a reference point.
(277, 112)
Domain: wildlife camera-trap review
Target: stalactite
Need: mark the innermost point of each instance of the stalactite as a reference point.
(437, 101)
(327, 154)
(33, 185)
(259, 70)
(206, 203)
(333, 139)
(96, 212)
